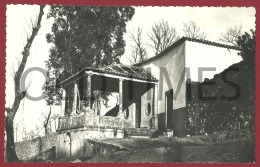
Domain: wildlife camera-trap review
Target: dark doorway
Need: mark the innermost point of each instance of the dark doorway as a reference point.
(67, 142)
(138, 113)
(169, 108)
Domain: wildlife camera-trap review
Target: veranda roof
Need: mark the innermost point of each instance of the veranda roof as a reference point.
(118, 70)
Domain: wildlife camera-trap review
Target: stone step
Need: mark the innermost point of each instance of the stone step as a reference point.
(144, 137)
(140, 132)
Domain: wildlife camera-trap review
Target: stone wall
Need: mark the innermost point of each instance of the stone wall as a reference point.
(71, 142)
(34, 149)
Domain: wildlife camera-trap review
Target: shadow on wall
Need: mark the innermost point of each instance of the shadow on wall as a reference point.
(113, 112)
(178, 121)
(177, 124)
(152, 123)
(161, 122)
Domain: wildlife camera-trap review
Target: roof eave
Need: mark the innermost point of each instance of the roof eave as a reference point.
(183, 39)
(177, 43)
(87, 70)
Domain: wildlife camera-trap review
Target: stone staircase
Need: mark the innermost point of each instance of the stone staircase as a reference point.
(140, 132)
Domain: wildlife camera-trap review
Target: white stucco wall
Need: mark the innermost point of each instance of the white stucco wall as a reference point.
(173, 62)
(200, 55)
(183, 62)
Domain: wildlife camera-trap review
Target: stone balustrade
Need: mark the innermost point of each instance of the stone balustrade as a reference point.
(81, 121)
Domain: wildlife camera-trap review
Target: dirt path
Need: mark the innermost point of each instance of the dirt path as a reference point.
(174, 150)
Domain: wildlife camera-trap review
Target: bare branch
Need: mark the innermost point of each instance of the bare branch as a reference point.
(29, 83)
(162, 36)
(231, 35)
(19, 95)
(10, 153)
(38, 130)
(13, 70)
(139, 52)
(47, 121)
(7, 109)
(191, 30)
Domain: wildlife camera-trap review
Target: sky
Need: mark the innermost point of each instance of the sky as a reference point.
(213, 20)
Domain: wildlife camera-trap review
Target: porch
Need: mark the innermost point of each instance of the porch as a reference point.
(137, 98)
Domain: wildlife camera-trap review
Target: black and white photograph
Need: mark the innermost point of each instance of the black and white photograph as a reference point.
(130, 84)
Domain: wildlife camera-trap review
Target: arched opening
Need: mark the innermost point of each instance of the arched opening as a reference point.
(67, 142)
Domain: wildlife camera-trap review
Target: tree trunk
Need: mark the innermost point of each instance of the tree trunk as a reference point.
(10, 153)
(47, 122)
(46, 129)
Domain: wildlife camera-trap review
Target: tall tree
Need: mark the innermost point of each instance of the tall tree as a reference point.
(10, 153)
(247, 43)
(231, 35)
(47, 120)
(52, 97)
(87, 36)
(191, 30)
(162, 36)
(139, 52)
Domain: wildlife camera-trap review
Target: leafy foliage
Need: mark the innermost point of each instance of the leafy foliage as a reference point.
(224, 113)
(86, 36)
(247, 43)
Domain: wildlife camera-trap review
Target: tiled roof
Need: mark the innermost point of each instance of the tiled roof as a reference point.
(124, 71)
(212, 43)
(183, 39)
(120, 70)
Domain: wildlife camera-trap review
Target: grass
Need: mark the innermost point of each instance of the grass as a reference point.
(188, 149)
(194, 149)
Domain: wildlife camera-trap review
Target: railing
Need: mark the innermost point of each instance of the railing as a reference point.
(80, 121)
(110, 121)
(71, 122)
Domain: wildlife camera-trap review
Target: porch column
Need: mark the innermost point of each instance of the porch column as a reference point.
(63, 102)
(74, 105)
(156, 106)
(88, 90)
(120, 113)
(134, 115)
